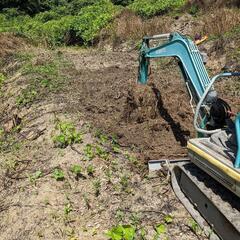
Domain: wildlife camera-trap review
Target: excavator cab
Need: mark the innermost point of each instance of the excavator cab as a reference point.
(216, 150)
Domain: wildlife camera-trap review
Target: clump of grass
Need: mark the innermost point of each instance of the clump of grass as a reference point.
(97, 187)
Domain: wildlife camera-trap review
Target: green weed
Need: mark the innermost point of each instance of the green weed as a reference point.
(149, 8)
(90, 170)
(67, 135)
(67, 209)
(194, 226)
(76, 170)
(97, 187)
(58, 174)
(124, 181)
(33, 177)
(2, 78)
(122, 232)
(26, 97)
(108, 174)
(89, 152)
(131, 159)
(102, 153)
(168, 219)
(101, 136)
(51, 27)
(161, 230)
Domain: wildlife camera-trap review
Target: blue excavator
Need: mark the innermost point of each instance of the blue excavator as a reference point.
(209, 183)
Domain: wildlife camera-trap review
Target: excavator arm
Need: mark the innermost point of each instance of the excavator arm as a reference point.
(191, 64)
(198, 83)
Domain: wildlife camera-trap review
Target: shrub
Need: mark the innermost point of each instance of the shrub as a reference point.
(53, 26)
(92, 19)
(148, 8)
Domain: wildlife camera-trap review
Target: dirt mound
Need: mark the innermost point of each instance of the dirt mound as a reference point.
(9, 44)
(155, 120)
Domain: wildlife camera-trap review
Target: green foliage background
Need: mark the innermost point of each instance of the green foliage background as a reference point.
(57, 22)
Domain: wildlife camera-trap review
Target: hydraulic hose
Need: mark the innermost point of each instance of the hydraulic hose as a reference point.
(206, 92)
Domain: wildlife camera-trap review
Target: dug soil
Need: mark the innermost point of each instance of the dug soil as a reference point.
(154, 119)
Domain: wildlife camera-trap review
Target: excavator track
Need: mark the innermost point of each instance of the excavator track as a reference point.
(218, 207)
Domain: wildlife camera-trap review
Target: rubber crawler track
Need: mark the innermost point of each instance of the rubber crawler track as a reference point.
(226, 202)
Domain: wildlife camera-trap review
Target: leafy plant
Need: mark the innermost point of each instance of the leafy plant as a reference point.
(168, 219)
(76, 170)
(33, 177)
(2, 78)
(27, 96)
(132, 159)
(148, 8)
(194, 226)
(101, 152)
(122, 232)
(67, 135)
(108, 174)
(89, 152)
(77, 20)
(161, 230)
(90, 170)
(58, 174)
(101, 136)
(67, 209)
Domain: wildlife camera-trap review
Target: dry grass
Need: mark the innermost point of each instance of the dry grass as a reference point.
(10, 44)
(206, 4)
(129, 26)
(224, 21)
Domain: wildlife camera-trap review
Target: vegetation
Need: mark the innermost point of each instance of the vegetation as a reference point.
(78, 21)
(74, 21)
(58, 174)
(122, 232)
(67, 135)
(149, 8)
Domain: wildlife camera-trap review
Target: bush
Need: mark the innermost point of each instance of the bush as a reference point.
(53, 26)
(92, 19)
(149, 8)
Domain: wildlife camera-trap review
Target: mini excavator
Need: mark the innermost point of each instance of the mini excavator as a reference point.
(209, 184)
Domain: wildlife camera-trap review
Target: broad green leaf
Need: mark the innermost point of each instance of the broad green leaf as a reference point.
(161, 229)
